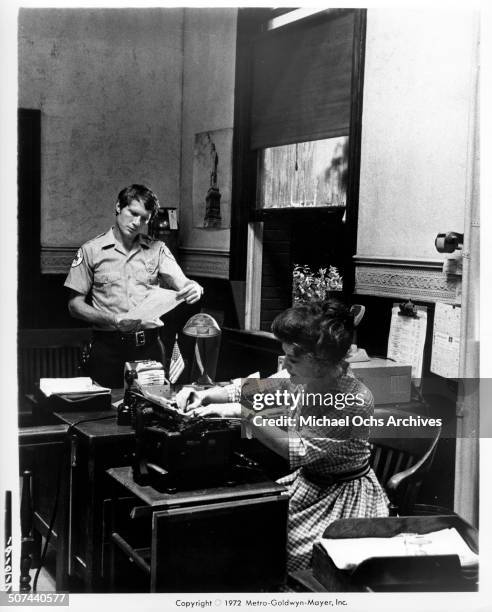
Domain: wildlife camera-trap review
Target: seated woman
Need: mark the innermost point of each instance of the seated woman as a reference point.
(331, 476)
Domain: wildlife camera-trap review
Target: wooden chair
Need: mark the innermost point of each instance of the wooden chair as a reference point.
(401, 465)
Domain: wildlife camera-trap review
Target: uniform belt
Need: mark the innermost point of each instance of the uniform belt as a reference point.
(329, 479)
(139, 338)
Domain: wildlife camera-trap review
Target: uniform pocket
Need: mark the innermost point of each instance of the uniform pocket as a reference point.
(142, 278)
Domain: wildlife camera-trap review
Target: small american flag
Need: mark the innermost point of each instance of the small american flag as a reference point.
(177, 364)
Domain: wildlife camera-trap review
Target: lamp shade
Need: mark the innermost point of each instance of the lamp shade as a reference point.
(201, 325)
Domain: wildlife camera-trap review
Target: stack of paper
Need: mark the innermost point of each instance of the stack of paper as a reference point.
(149, 372)
(151, 377)
(81, 385)
(348, 553)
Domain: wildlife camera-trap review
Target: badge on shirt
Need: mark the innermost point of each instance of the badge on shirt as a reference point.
(77, 259)
(150, 266)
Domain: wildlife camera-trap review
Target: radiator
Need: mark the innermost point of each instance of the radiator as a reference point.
(46, 362)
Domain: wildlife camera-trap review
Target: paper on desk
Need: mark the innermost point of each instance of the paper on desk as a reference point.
(157, 302)
(348, 553)
(81, 385)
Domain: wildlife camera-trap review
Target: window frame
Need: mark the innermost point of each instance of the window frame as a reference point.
(247, 220)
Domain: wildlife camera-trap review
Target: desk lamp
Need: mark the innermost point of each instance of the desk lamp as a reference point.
(206, 332)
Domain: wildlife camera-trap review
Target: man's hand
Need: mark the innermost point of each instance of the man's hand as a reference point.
(190, 293)
(127, 326)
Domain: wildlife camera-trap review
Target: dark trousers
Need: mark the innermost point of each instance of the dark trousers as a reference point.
(107, 359)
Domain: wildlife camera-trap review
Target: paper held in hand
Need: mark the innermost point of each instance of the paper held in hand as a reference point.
(156, 303)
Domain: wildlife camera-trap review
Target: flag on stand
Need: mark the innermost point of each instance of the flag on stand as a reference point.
(177, 364)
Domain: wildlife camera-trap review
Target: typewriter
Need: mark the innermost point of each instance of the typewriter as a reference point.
(175, 451)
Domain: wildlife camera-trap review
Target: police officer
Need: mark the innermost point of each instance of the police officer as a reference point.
(117, 269)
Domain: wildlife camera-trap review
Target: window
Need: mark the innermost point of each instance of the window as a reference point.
(297, 149)
(304, 174)
(302, 79)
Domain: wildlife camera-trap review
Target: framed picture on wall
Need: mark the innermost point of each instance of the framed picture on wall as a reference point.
(212, 177)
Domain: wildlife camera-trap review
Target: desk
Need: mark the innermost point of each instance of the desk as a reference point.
(303, 581)
(216, 539)
(82, 526)
(75, 464)
(94, 447)
(43, 451)
(407, 573)
(85, 501)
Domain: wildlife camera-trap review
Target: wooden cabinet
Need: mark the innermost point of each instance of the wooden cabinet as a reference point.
(95, 447)
(68, 467)
(229, 538)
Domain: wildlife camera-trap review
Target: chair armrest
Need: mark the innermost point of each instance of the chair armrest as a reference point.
(416, 469)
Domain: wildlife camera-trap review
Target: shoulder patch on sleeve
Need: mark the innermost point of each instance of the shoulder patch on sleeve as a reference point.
(79, 257)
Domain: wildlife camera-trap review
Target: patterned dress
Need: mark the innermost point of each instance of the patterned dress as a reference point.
(320, 453)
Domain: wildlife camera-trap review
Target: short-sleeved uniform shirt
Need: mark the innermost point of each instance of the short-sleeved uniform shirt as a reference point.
(117, 280)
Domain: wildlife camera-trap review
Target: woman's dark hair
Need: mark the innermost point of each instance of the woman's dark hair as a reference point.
(322, 329)
(141, 193)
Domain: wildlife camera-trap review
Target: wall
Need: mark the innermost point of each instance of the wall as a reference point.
(418, 98)
(208, 104)
(108, 84)
(122, 93)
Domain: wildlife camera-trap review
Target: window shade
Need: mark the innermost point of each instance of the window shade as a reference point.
(302, 82)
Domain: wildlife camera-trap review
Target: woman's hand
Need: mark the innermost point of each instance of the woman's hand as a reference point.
(225, 411)
(188, 399)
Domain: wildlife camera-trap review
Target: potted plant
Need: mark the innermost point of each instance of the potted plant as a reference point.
(308, 285)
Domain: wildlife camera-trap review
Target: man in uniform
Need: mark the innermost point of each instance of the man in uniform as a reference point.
(117, 269)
